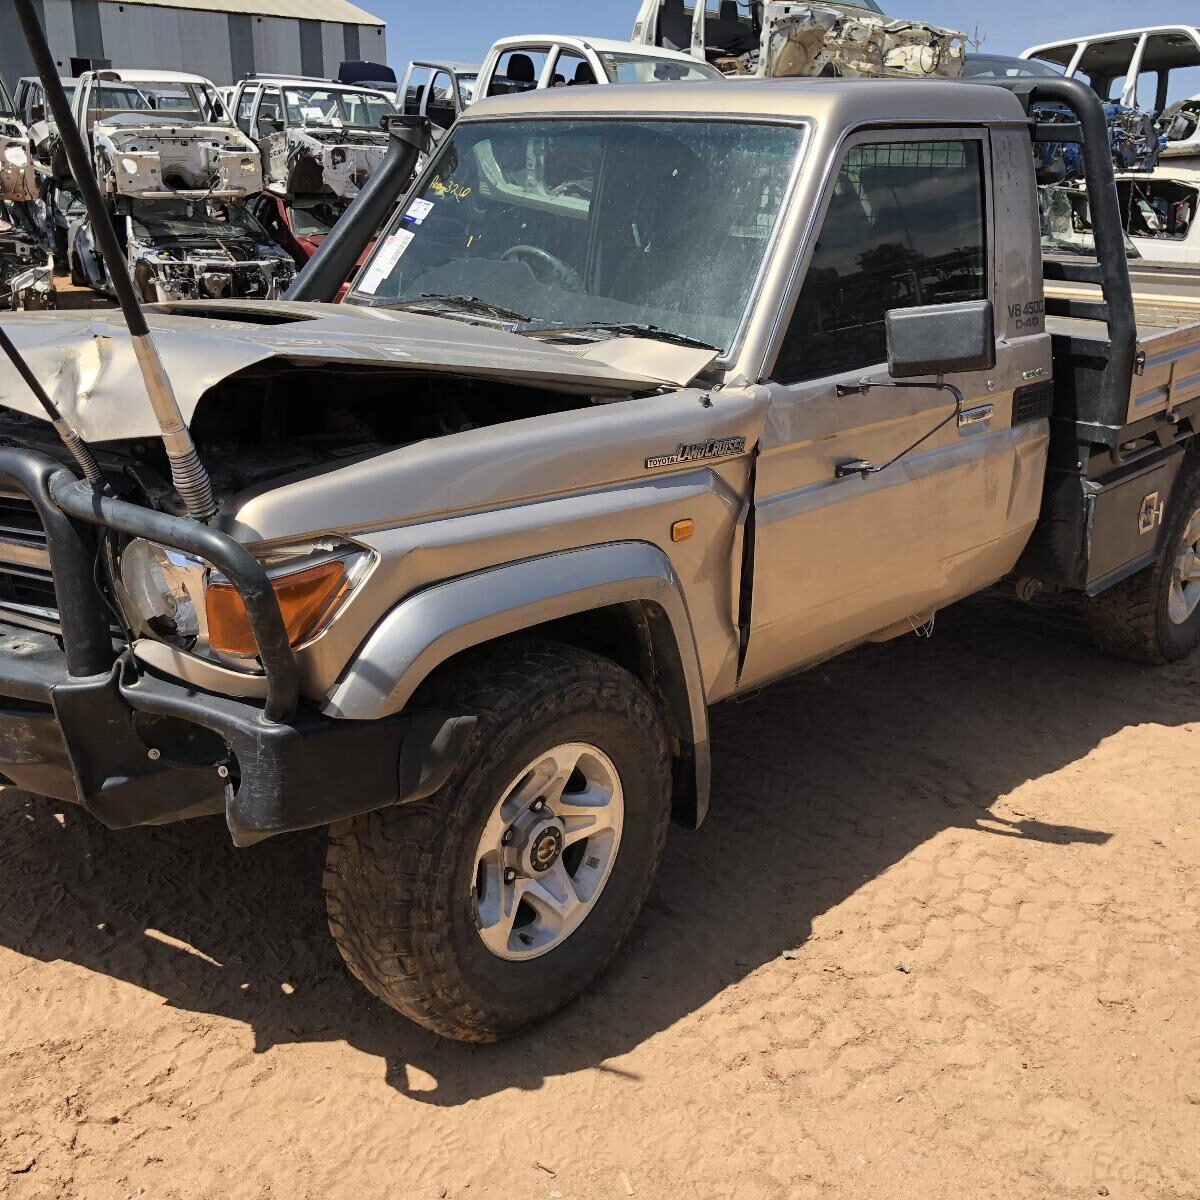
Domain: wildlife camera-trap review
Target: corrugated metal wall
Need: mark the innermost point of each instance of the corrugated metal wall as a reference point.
(221, 46)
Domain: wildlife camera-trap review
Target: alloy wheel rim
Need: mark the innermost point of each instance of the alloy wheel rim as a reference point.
(1184, 596)
(547, 851)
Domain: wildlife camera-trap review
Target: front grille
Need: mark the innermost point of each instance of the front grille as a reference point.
(26, 585)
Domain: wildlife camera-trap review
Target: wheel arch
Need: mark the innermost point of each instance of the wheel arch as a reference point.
(622, 600)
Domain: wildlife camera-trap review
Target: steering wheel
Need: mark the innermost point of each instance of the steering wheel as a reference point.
(535, 254)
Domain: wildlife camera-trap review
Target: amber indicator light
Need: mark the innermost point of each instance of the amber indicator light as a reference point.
(305, 597)
(682, 530)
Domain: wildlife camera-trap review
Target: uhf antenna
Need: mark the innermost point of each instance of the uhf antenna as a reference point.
(187, 471)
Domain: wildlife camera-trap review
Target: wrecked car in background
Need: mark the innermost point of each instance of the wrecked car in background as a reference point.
(780, 39)
(175, 171)
(17, 178)
(1123, 67)
(533, 61)
(26, 267)
(184, 250)
(1135, 73)
(439, 91)
(316, 138)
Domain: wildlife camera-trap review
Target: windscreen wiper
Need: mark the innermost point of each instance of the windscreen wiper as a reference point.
(617, 329)
(468, 304)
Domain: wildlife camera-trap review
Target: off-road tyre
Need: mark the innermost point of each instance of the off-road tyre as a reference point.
(77, 279)
(399, 882)
(1132, 620)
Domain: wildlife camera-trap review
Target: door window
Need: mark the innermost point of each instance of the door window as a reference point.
(245, 109)
(440, 108)
(517, 71)
(270, 115)
(905, 227)
(572, 70)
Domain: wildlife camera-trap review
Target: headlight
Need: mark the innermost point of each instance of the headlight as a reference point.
(166, 587)
(180, 598)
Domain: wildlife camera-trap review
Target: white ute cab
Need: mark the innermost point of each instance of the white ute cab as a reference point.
(524, 64)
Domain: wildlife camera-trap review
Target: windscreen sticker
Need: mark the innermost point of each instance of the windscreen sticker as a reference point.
(385, 261)
(418, 210)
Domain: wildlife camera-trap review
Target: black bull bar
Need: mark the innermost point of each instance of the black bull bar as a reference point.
(82, 722)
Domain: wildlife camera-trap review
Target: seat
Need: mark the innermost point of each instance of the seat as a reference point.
(521, 76)
(727, 33)
(583, 74)
(674, 26)
(521, 69)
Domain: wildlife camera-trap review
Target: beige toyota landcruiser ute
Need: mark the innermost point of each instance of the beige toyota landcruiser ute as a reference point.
(646, 397)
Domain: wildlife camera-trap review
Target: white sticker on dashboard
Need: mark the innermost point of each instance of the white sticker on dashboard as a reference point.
(418, 210)
(385, 261)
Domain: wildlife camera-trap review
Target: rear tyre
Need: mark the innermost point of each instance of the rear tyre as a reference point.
(1154, 616)
(487, 907)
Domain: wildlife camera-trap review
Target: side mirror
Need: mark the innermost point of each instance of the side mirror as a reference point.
(941, 339)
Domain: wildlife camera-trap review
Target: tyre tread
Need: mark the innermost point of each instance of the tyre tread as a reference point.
(383, 913)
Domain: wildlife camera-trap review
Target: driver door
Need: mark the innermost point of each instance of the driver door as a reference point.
(906, 223)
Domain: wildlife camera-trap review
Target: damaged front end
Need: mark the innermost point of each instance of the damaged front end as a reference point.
(312, 161)
(845, 40)
(18, 181)
(183, 273)
(26, 268)
(187, 250)
(162, 161)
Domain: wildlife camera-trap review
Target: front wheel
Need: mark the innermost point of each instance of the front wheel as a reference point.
(1154, 616)
(487, 907)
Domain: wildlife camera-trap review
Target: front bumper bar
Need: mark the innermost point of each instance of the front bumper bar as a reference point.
(134, 748)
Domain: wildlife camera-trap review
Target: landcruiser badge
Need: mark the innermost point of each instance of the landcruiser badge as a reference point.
(695, 451)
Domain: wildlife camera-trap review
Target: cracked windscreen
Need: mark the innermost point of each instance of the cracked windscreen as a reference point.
(588, 222)
(158, 220)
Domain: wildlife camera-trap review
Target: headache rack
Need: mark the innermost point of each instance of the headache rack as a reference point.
(1093, 375)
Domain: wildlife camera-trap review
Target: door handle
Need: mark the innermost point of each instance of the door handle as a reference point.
(980, 415)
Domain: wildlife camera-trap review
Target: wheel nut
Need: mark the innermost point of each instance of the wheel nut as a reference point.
(538, 805)
(510, 876)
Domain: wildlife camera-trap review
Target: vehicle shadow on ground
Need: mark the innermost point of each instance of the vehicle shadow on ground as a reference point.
(821, 784)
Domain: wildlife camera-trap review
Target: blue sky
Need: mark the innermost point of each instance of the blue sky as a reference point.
(463, 29)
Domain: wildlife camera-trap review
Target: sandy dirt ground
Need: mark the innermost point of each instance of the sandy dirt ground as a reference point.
(938, 939)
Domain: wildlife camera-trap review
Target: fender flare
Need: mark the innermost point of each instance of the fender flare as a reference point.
(434, 625)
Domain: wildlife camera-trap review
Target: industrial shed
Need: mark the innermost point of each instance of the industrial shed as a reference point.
(221, 39)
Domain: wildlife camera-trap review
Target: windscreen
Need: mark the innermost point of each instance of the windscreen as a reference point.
(115, 98)
(185, 103)
(336, 109)
(997, 66)
(665, 223)
(315, 218)
(640, 68)
(157, 220)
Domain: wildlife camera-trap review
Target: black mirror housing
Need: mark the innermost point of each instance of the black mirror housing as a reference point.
(941, 339)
